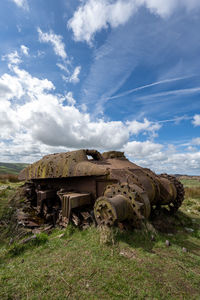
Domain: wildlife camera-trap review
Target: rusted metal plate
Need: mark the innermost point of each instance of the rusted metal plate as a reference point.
(73, 200)
(44, 195)
(69, 164)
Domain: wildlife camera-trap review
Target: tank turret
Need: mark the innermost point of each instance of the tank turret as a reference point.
(80, 183)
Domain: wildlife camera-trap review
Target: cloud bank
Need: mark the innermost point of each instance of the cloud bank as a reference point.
(34, 121)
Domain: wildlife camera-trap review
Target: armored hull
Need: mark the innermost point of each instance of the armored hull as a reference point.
(84, 182)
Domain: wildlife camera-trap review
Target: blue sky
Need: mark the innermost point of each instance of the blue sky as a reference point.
(103, 74)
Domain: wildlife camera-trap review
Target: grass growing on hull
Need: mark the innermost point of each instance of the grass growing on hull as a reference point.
(107, 264)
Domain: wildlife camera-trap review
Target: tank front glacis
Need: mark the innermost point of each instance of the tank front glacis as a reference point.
(83, 181)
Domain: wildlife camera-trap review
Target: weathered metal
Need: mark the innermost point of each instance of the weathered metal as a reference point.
(78, 182)
(72, 200)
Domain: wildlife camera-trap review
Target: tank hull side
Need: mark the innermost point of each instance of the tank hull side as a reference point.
(55, 177)
(69, 164)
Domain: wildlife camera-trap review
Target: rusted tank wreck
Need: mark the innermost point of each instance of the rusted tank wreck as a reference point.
(83, 183)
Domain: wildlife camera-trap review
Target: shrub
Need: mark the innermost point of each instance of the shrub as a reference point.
(40, 239)
(192, 192)
(8, 177)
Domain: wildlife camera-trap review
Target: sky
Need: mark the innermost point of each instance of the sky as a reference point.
(101, 74)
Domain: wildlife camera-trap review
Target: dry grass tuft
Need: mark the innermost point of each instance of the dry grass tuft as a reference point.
(192, 192)
(4, 178)
(106, 235)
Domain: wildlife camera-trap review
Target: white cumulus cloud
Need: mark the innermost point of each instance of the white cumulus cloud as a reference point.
(163, 159)
(35, 121)
(136, 127)
(137, 149)
(39, 116)
(196, 120)
(93, 15)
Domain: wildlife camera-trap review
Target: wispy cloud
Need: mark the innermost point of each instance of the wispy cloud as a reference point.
(62, 67)
(22, 3)
(178, 92)
(13, 58)
(59, 48)
(147, 86)
(24, 50)
(176, 120)
(55, 40)
(70, 99)
(74, 77)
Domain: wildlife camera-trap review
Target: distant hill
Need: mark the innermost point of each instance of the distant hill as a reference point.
(11, 168)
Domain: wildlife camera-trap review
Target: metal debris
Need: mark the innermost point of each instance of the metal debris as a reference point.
(27, 240)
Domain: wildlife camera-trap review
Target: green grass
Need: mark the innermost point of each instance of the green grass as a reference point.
(80, 267)
(191, 182)
(12, 168)
(7, 190)
(106, 264)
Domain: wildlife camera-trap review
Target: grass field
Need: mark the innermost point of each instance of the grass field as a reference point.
(11, 168)
(99, 263)
(7, 189)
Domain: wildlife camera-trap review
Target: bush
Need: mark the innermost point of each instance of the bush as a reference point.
(69, 231)
(41, 239)
(8, 177)
(192, 192)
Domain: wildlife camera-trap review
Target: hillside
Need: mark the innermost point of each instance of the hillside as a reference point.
(99, 263)
(11, 168)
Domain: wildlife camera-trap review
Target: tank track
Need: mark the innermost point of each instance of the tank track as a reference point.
(174, 205)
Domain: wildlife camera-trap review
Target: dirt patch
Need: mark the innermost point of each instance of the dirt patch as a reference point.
(164, 222)
(130, 254)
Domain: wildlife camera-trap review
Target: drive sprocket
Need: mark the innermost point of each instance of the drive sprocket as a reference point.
(138, 203)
